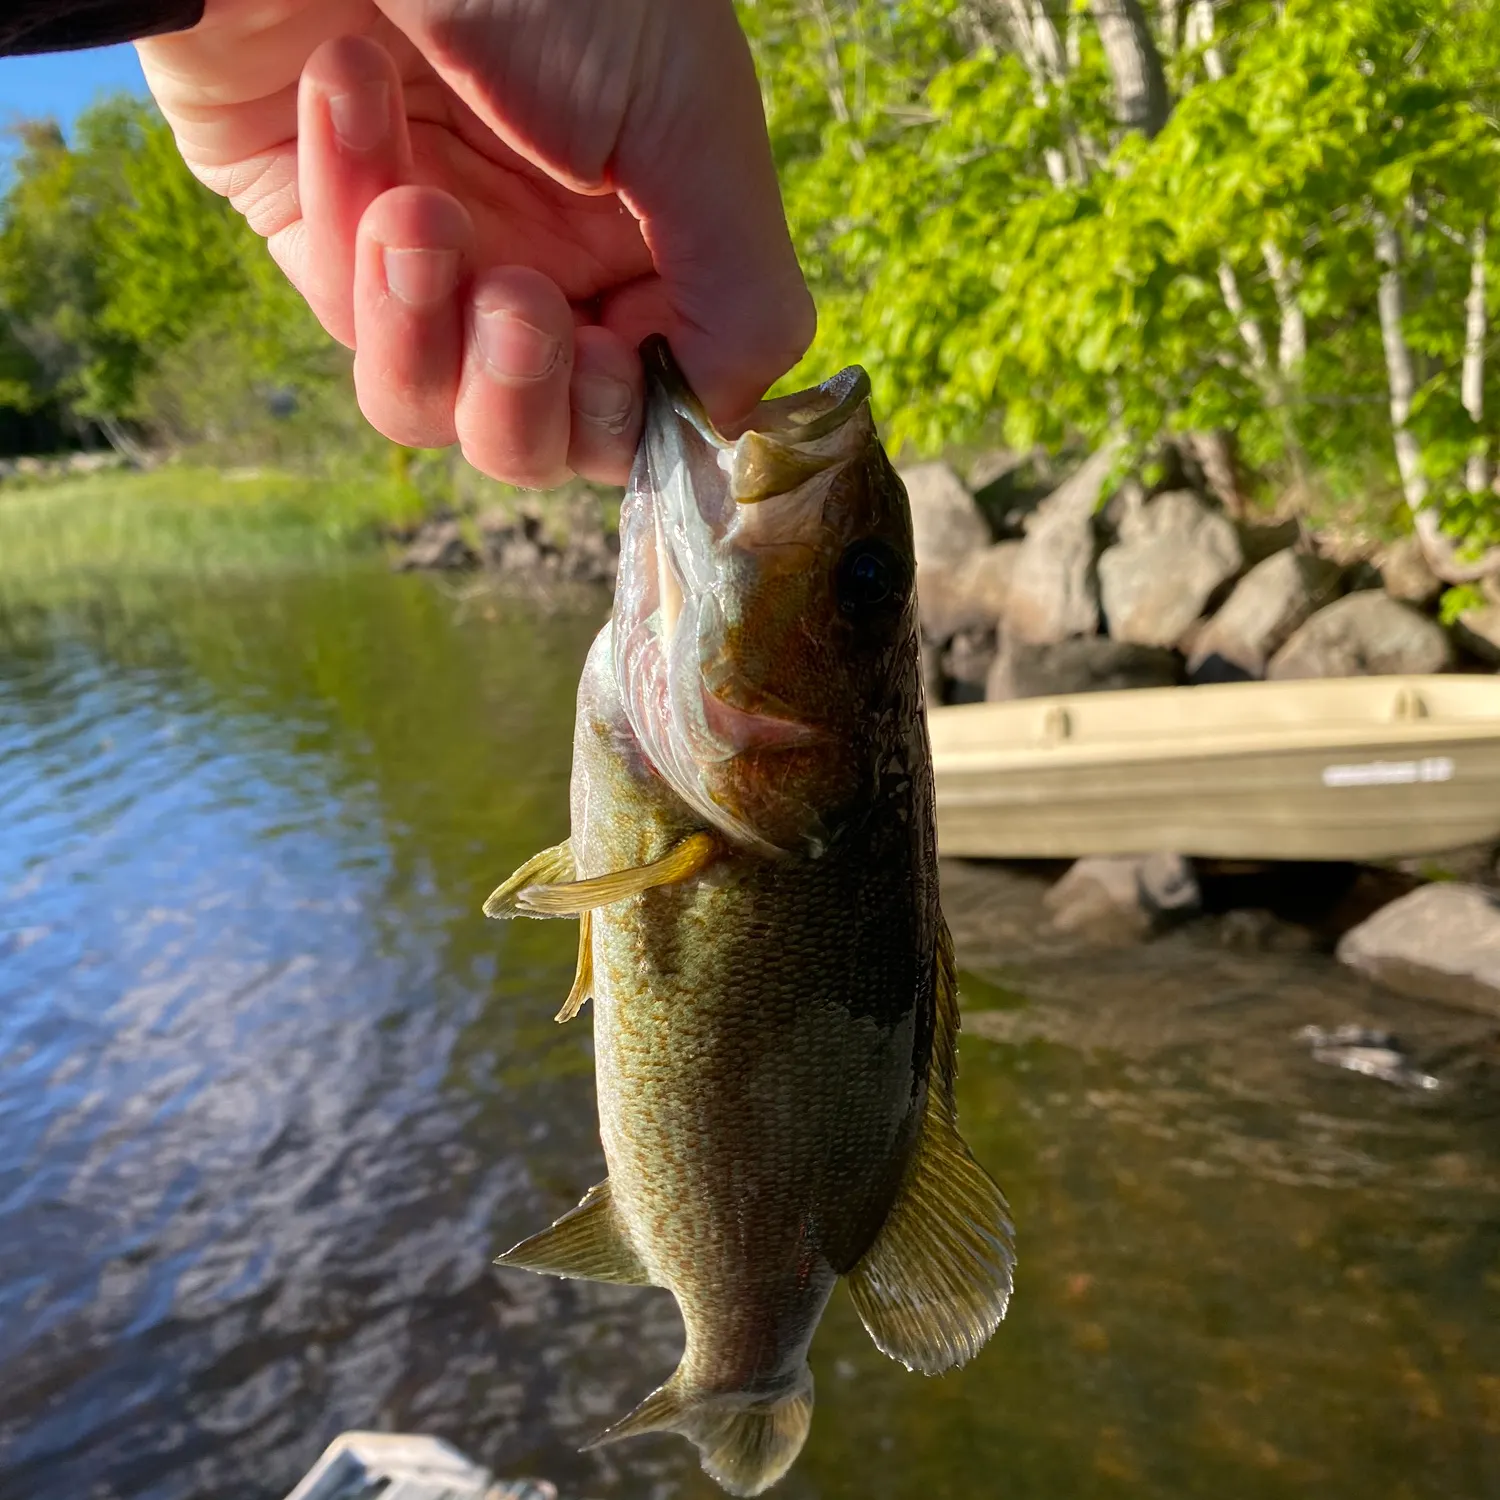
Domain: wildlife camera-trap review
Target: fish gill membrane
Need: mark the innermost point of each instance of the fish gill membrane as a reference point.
(753, 864)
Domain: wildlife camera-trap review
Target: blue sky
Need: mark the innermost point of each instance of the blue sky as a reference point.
(62, 83)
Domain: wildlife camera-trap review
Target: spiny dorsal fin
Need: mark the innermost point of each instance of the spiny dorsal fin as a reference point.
(935, 1284)
(583, 977)
(745, 1442)
(586, 1244)
(548, 867)
(545, 899)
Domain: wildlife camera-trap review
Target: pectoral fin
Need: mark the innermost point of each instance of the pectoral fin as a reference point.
(545, 899)
(935, 1284)
(586, 1244)
(548, 867)
(583, 979)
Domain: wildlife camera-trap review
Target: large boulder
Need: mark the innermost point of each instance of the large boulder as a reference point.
(1053, 591)
(1084, 664)
(1123, 898)
(946, 524)
(970, 595)
(1441, 942)
(1405, 573)
(1174, 555)
(1267, 605)
(1364, 635)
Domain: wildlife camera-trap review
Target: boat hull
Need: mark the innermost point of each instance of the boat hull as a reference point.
(1359, 768)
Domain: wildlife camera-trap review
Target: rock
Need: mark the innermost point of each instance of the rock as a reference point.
(1261, 539)
(1267, 605)
(969, 595)
(966, 665)
(946, 524)
(1441, 942)
(1124, 898)
(1364, 635)
(1405, 574)
(1478, 632)
(1174, 555)
(1007, 487)
(1053, 589)
(1256, 930)
(591, 556)
(438, 544)
(1085, 664)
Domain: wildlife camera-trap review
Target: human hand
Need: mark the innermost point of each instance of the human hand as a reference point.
(494, 201)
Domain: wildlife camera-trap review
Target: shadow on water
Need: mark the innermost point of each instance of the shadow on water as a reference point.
(272, 1094)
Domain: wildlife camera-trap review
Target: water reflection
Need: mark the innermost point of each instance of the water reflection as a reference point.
(272, 1093)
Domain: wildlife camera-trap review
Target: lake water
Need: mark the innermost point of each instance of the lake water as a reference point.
(272, 1094)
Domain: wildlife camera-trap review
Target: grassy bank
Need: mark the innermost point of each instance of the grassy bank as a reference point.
(181, 519)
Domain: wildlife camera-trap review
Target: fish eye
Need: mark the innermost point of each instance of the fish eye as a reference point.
(870, 575)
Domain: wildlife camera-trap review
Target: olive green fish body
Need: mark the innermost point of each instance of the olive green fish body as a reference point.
(762, 1040)
(753, 860)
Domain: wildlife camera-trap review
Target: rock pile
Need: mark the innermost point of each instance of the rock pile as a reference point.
(521, 544)
(1129, 589)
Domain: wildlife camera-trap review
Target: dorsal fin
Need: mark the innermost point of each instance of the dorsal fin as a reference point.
(935, 1284)
(586, 1244)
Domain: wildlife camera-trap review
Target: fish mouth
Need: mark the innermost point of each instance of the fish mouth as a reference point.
(703, 508)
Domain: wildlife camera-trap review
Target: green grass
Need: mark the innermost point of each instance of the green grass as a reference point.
(181, 519)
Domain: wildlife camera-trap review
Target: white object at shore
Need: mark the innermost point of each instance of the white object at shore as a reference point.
(407, 1466)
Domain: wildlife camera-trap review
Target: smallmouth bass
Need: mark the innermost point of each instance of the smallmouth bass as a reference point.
(753, 861)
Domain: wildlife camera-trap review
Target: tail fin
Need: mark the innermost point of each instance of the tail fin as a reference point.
(746, 1442)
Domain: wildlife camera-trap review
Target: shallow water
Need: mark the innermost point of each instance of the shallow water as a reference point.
(272, 1093)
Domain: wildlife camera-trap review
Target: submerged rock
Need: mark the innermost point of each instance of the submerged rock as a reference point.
(1440, 942)
(1267, 605)
(1125, 898)
(1364, 635)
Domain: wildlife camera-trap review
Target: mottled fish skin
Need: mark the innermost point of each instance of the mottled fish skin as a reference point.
(765, 1030)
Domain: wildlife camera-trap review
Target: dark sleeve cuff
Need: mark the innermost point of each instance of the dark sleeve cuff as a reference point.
(63, 25)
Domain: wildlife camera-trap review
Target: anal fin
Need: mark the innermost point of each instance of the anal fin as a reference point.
(583, 978)
(547, 899)
(549, 867)
(586, 1244)
(936, 1283)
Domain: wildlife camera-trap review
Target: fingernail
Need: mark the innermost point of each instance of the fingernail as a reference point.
(515, 351)
(604, 401)
(420, 277)
(362, 117)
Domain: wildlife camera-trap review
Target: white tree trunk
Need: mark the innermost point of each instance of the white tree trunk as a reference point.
(1477, 474)
(1249, 329)
(1200, 33)
(1400, 377)
(1140, 83)
(1285, 276)
(1040, 46)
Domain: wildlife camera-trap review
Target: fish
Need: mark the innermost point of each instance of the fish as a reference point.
(752, 860)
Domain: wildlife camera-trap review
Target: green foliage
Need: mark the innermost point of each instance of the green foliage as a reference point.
(130, 293)
(986, 242)
(1459, 601)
